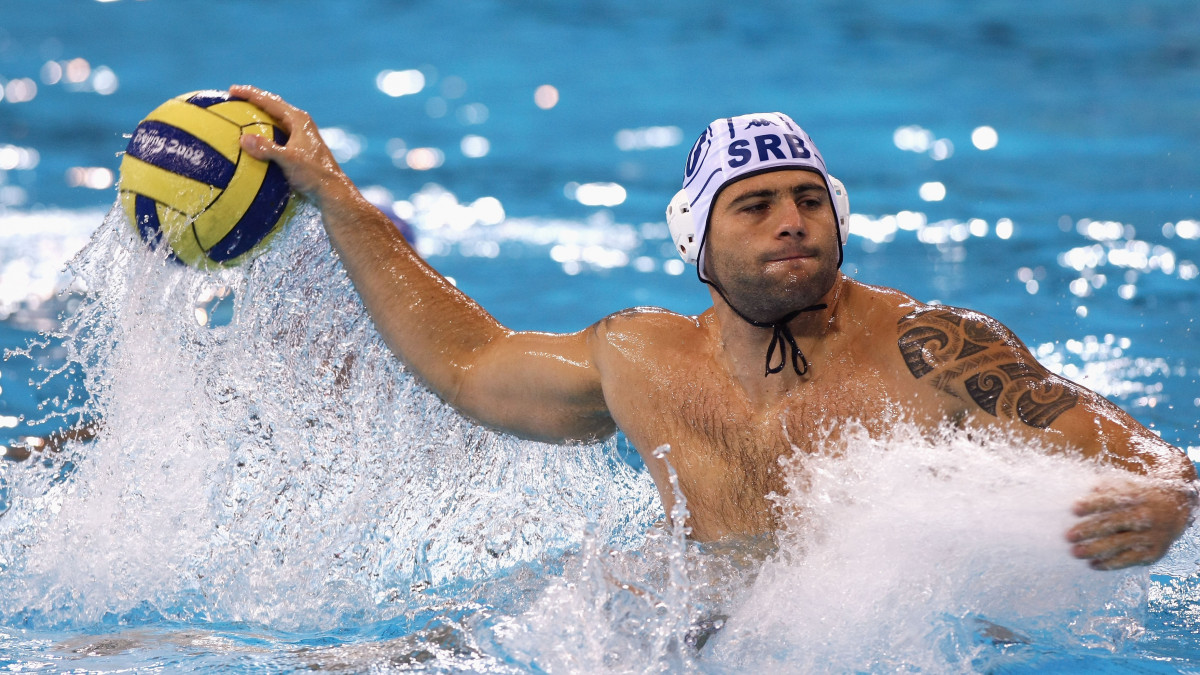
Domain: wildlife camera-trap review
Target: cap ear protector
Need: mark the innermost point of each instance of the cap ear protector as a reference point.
(841, 207)
(687, 233)
(683, 227)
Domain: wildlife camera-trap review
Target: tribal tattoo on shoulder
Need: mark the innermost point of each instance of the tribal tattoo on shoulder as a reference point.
(961, 350)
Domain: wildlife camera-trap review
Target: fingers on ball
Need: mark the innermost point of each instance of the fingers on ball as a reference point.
(272, 104)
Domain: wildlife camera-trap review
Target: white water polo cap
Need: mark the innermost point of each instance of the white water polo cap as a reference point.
(733, 148)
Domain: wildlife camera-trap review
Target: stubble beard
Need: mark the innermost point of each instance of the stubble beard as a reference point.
(765, 299)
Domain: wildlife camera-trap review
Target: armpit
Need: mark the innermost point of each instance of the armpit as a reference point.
(975, 358)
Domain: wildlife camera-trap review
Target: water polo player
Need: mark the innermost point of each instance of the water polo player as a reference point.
(790, 348)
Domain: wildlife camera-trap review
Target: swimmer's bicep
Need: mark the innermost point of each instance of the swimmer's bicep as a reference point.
(540, 386)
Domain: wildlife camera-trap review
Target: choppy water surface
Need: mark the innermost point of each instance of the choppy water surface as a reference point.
(270, 489)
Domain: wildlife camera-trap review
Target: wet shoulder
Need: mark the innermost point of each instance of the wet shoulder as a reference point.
(893, 312)
(971, 361)
(634, 332)
(932, 337)
(971, 331)
(639, 322)
(876, 310)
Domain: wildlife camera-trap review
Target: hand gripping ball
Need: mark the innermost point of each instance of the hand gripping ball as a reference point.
(185, 180)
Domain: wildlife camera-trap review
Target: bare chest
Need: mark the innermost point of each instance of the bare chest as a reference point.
(726, 452)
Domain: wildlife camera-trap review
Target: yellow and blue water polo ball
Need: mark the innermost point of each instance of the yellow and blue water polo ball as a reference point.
(185, 181)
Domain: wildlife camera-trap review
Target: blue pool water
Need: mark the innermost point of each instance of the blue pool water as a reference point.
(272, 492)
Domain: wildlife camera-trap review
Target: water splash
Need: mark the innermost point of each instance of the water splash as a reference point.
(941, 554)
(623, 611)
(281, 469)
(912, 553)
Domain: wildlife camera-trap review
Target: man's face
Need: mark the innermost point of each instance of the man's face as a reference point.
(772, 244)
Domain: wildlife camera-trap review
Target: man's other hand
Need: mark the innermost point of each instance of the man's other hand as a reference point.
(1127, 522)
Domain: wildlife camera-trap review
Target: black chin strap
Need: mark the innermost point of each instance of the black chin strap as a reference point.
(781, 337)
(783, 334)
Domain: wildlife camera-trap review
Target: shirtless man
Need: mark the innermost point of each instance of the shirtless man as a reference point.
(766, 224)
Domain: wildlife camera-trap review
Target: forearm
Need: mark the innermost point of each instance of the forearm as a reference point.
(535, 385)
(435, 328)
(1102, 430)
(1158, 459)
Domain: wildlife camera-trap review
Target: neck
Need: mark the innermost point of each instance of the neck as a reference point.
(744, 344)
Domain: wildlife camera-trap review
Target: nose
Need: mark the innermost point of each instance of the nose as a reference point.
(791, 221)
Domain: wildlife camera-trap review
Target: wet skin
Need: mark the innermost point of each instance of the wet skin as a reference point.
(697, 383)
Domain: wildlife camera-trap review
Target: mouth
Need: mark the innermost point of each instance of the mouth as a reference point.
(790, 256)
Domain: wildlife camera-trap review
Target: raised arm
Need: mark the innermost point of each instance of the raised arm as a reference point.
(992, 378)
(536, 385)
